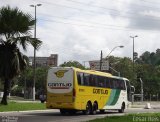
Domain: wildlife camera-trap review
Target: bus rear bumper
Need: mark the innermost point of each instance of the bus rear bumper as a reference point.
(60, 105)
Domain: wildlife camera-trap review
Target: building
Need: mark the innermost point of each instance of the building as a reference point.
(52, 60)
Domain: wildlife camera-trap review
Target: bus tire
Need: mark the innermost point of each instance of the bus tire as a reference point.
(94, 108)
(63, 111)
(88, 109)
(72, 112)
(102, 111)
(122, 108)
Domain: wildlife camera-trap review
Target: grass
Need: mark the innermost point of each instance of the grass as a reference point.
(14, 106)
(146, 117)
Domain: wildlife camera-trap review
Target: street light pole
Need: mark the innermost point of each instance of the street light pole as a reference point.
(119, 74)
(133, 59)
(141, 90)
(113, 50)
(109, 55)
(101, 61)
(133, 50)
(34, 66)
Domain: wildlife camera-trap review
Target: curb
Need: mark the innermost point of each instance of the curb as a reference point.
(27, 111)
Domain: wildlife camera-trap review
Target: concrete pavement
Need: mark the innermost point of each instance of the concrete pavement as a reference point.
(153, 104)
(55, 116)
(135, 105)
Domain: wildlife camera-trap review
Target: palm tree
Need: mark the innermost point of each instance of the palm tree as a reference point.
(15, 29)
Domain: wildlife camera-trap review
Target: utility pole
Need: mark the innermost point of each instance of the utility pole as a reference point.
(141, 90)
(34, 66)
(101, 61)
(133, 51)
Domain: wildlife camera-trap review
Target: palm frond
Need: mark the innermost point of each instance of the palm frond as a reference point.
(15, 27)
(1, 41)
(14, 22)
(36, 43)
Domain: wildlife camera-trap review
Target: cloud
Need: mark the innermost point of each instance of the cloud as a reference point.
(144, 17)
(80, 30)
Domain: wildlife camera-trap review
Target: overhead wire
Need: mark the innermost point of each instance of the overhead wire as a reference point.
(115, 10)
(109, 26)
(150, 2)
(93, 12)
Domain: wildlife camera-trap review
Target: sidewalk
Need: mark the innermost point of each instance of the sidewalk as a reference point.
(154, 104)
(21, 100)
(25, 101)
(28, 111)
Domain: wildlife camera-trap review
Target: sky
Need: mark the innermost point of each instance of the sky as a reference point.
(80, 29)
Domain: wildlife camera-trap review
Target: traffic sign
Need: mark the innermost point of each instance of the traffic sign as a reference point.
(95, 65)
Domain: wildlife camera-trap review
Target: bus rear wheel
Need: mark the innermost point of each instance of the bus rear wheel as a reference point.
(94, 108)
(88, 109)
(72, 112)
(63, 111)
(102, 111)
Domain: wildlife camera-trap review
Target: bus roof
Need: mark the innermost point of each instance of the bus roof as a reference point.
(86, 71)
(91, 72)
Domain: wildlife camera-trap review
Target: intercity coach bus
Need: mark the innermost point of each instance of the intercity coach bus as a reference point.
(71, 89)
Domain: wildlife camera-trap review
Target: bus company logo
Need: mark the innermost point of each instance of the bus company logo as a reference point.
(60, 73)
(59, 85)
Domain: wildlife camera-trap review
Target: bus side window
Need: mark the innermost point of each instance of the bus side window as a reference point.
(107, 82)
(119, 82)
(80, 78)
(86, 79)
(101, 81)
(96, 80)
(93, 80)
(122, 85)
(111, 83)
(116, 84)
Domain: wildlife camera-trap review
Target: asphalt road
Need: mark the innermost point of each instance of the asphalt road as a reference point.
(55, 116)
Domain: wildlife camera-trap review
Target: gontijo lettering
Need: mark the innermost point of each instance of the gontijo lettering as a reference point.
(59, 85)
(100, 91)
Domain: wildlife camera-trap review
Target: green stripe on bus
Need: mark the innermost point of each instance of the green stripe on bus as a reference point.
(111, 97)
(116, 97)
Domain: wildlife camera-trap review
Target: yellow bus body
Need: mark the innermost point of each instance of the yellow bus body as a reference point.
(79, 95)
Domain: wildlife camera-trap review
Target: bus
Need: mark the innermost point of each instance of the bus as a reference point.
(71, 89)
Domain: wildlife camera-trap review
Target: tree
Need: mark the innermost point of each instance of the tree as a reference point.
(1, 85)
(148, 70)
(72, 63)
(41, 77)
(122, 65)
(25, 80)
(15, 29)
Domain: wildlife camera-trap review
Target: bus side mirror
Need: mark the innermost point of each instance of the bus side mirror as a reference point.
(132, 89)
